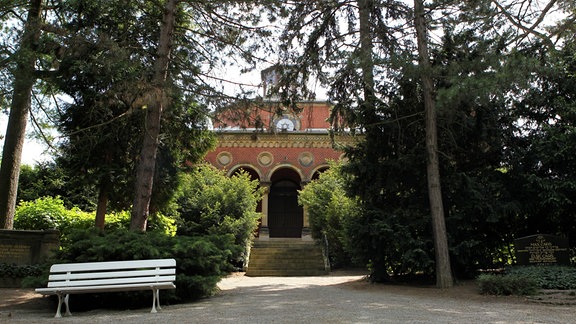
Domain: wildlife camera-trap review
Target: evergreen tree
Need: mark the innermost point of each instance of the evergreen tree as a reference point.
(24, 78)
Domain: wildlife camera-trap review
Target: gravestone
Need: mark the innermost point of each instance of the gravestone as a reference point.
(542, 249)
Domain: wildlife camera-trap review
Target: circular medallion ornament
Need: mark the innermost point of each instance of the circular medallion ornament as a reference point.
(265, 158)
(306, 159)
(224, 158)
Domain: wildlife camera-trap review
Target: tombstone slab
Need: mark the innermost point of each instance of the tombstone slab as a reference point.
(542, 249)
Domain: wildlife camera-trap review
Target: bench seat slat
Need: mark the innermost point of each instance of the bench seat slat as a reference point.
(112, 265)
(111, 281)
(111, 274)
(105, 288)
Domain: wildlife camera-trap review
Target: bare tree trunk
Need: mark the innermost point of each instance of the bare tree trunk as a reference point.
(443, 270)
(157, 101)
(367, 65)
(19, 110)
(103, 197)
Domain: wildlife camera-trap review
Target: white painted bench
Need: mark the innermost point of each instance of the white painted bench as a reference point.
(91, 277)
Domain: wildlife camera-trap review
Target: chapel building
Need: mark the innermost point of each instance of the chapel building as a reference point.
(284, 150)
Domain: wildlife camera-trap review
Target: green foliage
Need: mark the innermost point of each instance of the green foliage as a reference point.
(105, 71)
(210, 203)
(50, 179)
(156, 222)
(391, 242)
(328, 208)
(8, 270)
(542, 164)
(526, 280)
(201, 261)
(506, 284)
(50, 213)
(548, 277)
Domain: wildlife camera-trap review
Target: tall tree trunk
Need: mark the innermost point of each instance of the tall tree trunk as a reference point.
(158, 98)
(19, 110)
(443, 270)
(103, 197)
(367, 61)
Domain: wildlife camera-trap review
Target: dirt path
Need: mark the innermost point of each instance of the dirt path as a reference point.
(337, 298)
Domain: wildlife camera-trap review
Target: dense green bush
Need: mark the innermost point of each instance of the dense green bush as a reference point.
(526, 280)
(50, 213)
(493, 284)
(51, 179)
(200, 261)
(328, 207)
(548, 277)
(210, 203)
(11, 270)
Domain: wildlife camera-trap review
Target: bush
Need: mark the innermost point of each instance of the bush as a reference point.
(328, 208)
(19, 271)
(508, 284)
(210, 203)
(50, 213)
(548, 277)
(200, 261)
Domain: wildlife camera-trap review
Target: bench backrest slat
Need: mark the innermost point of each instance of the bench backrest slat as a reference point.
(111, 274)
(112, 281)
(112, 265)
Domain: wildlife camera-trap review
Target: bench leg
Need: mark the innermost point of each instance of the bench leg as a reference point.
(65, 301)
(58, 314)
(155, 300)
(158, 299)
(67, 306)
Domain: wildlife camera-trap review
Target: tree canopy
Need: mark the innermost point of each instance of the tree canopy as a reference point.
(466, 111)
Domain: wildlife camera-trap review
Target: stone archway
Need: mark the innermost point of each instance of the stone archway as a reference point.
(285, 216)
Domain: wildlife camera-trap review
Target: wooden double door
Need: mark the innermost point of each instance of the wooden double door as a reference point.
(285, 217)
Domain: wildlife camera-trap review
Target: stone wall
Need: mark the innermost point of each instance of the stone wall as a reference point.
(27, 247)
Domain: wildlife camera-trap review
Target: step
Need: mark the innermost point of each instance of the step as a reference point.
(286, 258)
(286, 273)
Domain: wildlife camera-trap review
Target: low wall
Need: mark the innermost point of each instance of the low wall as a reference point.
(27, 247)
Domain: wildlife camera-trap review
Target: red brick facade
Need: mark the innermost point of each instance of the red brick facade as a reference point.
(287, 151)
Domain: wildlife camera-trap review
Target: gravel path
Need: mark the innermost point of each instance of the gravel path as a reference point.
(337, 298)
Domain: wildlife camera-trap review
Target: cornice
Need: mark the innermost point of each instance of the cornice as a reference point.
(283, 140)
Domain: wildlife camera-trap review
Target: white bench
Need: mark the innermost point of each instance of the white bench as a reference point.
(91, 277)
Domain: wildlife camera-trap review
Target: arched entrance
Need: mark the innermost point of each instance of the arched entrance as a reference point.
(285, 217)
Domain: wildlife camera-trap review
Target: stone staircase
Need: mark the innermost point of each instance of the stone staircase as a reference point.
(285, 257)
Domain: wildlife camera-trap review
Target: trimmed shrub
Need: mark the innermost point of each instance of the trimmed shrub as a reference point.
(492, 284)
(201, 261)
(328, 210)
(210, 203)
